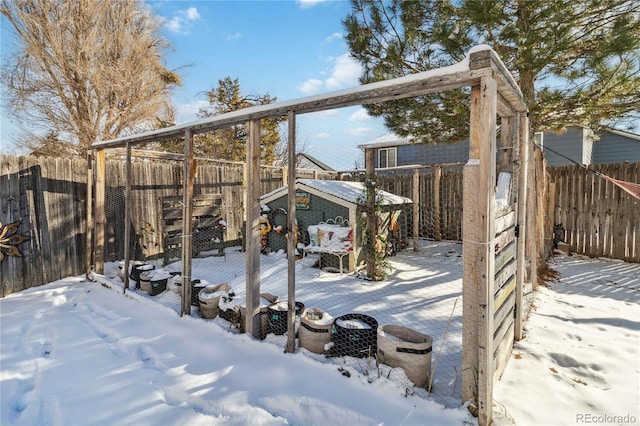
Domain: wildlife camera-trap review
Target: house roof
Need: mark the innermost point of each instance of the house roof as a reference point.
(386, 141)
(622, 133)
(343, 191)
(314, 162)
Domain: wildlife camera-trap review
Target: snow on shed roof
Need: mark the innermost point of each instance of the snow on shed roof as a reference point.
(351, 192)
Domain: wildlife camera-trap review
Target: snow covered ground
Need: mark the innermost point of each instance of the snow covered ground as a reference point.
(580, 360)
(75, 352)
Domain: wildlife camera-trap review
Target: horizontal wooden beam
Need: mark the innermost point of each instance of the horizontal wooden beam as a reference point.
(403, 87)
(481, 63)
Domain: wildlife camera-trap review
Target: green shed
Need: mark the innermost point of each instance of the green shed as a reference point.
(330, 217)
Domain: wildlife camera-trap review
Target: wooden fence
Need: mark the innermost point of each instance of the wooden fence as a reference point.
(45, 200)
(599, 218)
(43, 211)
(437, 191)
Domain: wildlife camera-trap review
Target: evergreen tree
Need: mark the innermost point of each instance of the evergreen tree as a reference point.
(229, 143)
(577, 62)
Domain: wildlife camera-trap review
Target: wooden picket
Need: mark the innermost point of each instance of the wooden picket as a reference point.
(599, 218)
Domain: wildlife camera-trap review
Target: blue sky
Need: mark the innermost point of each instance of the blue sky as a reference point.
(288, 49)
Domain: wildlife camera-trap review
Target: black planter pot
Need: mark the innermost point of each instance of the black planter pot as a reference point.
(196, 286)
(277, 316)
(354, 335)
(136, 270)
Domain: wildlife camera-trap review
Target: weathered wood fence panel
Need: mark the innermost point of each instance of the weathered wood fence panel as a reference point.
(599, 218)
(150, 182)
(505, 294)
(45, 198)
(440, 207)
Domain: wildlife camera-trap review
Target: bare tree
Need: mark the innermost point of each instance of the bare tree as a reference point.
(282, 148)
(86, 70)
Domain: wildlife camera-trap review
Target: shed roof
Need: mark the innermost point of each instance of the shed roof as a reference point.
(349, 192)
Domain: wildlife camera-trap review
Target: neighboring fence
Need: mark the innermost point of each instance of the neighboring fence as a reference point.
(437, 193)
(594, 216)
(46, 200)
(43, 220)
(43, 211)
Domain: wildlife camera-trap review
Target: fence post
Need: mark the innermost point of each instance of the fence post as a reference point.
(99, 217)
(127, 217)
(478, 251)
(416, 209)
(521, 273)
(90, 217)
(372, 225)
(291, 235)
(252, 319)
(187, 237)
(436, 203)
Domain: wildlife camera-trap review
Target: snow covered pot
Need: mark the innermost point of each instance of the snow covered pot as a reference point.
(408, 349)
(277, 316)
(209, 298)
(138, 269)
(154, 281)
(354, 335)
(315, 330)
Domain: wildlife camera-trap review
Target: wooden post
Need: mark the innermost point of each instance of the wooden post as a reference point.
(436, 201)
(478, 251)
(521, 273)
(531, 237)
(372, 225)
(100, 214)
(252, 319)
(416, 209)
(89, 235)
(291, 236)
(127, 217)
(187, 208)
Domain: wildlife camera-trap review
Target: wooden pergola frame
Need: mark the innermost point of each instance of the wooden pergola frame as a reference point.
(494, 93)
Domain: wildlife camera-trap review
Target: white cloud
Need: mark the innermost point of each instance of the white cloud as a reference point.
(189, 111)
(311, 86)
(323, 135)
(358, 131)
(309, 3)
(360, 115)
(345, 73)
(234, 36)
(192, 14)
(181, 22)
(328, 114)
(332, 37)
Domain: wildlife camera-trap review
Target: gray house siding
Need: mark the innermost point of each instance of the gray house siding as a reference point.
(425, 154)
(614, 148)
(568, 144)
(576, 144)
